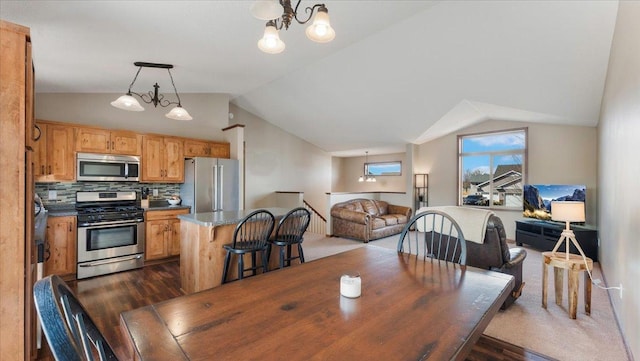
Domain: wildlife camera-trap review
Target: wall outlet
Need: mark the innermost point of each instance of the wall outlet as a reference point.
(53, 195)
(620, 290)
(155, 192)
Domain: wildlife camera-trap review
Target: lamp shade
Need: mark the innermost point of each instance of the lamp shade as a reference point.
(178, 113)
(266, 9)
(320, 30)
(270, 42)
(127, 102)
(567, 211)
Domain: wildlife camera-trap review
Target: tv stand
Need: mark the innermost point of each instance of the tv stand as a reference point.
(544, 236)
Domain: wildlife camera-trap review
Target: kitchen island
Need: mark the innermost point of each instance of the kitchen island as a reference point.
(202, 236)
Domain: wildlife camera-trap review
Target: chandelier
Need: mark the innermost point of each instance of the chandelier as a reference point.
(366, 177)
(128, 102)
(280, 13)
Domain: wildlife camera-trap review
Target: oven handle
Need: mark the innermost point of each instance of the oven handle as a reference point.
(110, 223)
(100, 263)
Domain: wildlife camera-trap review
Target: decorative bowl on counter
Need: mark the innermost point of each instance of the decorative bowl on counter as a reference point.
(174, 202)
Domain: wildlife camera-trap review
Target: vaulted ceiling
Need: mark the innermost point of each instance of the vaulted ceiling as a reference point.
(397, 72)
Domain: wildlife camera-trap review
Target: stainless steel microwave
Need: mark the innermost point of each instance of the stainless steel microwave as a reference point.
(107, 168)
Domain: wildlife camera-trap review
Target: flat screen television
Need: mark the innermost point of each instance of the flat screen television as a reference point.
(537, 198)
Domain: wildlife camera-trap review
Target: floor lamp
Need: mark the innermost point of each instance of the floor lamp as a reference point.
(567, 211)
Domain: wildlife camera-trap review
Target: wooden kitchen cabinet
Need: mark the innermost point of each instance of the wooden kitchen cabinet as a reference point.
(162, 159)
(61, 247)
(54, 158)
(95, 140)
(202, 148)
(162, 233)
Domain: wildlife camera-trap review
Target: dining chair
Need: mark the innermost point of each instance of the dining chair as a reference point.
(434, 234)
(250, 237)
(70, 332)
(289, 232)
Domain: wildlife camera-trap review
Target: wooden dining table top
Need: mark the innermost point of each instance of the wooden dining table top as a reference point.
(409, 309)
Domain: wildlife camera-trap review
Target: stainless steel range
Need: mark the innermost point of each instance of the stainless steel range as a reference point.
(110, 233)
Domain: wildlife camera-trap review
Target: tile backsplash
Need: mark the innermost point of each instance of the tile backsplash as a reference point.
(66, 192)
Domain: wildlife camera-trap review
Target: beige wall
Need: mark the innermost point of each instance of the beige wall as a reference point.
(210, 113)
(278, 161)
(619, 173)
(351, 168)
(557, 154)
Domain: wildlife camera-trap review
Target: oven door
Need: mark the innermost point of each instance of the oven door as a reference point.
(108, 240)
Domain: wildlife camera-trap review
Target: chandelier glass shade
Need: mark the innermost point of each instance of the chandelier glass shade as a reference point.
(130, 103)
(280, 13)
(270, 42)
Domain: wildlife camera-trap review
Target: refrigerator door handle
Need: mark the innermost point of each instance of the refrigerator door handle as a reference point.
(221, 180)
(214, 188)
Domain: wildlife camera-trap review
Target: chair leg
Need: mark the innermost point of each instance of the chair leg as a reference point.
(240, 266)
(268, 252)
(300, 253)
(288, 255)
(254, 269)
(226, 267)
(281, 248)
(264, 258)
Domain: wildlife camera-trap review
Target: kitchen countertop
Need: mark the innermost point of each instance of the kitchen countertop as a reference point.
(69, 209)
(165, 207)
(61, 210)
(221, 218)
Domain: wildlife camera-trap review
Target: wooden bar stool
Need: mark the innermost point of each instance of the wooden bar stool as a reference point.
(574, 265)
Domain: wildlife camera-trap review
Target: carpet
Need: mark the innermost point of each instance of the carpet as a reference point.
(526, 324)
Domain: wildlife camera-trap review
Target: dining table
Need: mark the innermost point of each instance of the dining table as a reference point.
(410, 308)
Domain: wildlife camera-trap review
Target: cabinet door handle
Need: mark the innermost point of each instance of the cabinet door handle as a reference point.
(69, 227)
(42, 170)
(49, 169)
(113, 146)
(36, 127)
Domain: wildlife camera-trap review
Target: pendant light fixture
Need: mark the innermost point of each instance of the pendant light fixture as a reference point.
(130, 103)
(366, 177)
(280, 13)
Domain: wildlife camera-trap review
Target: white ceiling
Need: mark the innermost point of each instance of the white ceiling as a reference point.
(398, 72)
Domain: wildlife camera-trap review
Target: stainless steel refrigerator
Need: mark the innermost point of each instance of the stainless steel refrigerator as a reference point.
(211, 184)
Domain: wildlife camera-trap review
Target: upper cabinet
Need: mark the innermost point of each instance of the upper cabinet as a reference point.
(162, 159)
(95, 140)
(202, 148)
(54, 158)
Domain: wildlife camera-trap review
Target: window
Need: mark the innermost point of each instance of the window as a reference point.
(383, 168)
(491, 169)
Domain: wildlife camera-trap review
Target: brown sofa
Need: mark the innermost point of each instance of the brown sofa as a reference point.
(368, 219)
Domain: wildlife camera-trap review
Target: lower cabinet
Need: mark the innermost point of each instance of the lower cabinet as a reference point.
(60, 250)
(162, 238)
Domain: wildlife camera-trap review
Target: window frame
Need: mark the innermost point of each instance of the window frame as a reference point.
(392, 162)
(492, 154)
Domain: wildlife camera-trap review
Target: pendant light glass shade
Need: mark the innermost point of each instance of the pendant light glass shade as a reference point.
(127, 102)
(365, 177)
(266, 9)
(178, 113)
(270, 42)
(321, 31)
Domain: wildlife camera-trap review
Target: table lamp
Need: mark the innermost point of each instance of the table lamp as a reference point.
(567, 211)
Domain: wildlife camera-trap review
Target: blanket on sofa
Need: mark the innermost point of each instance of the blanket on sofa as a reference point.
(472, 221)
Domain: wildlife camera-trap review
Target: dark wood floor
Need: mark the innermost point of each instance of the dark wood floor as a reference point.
(106, 297)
